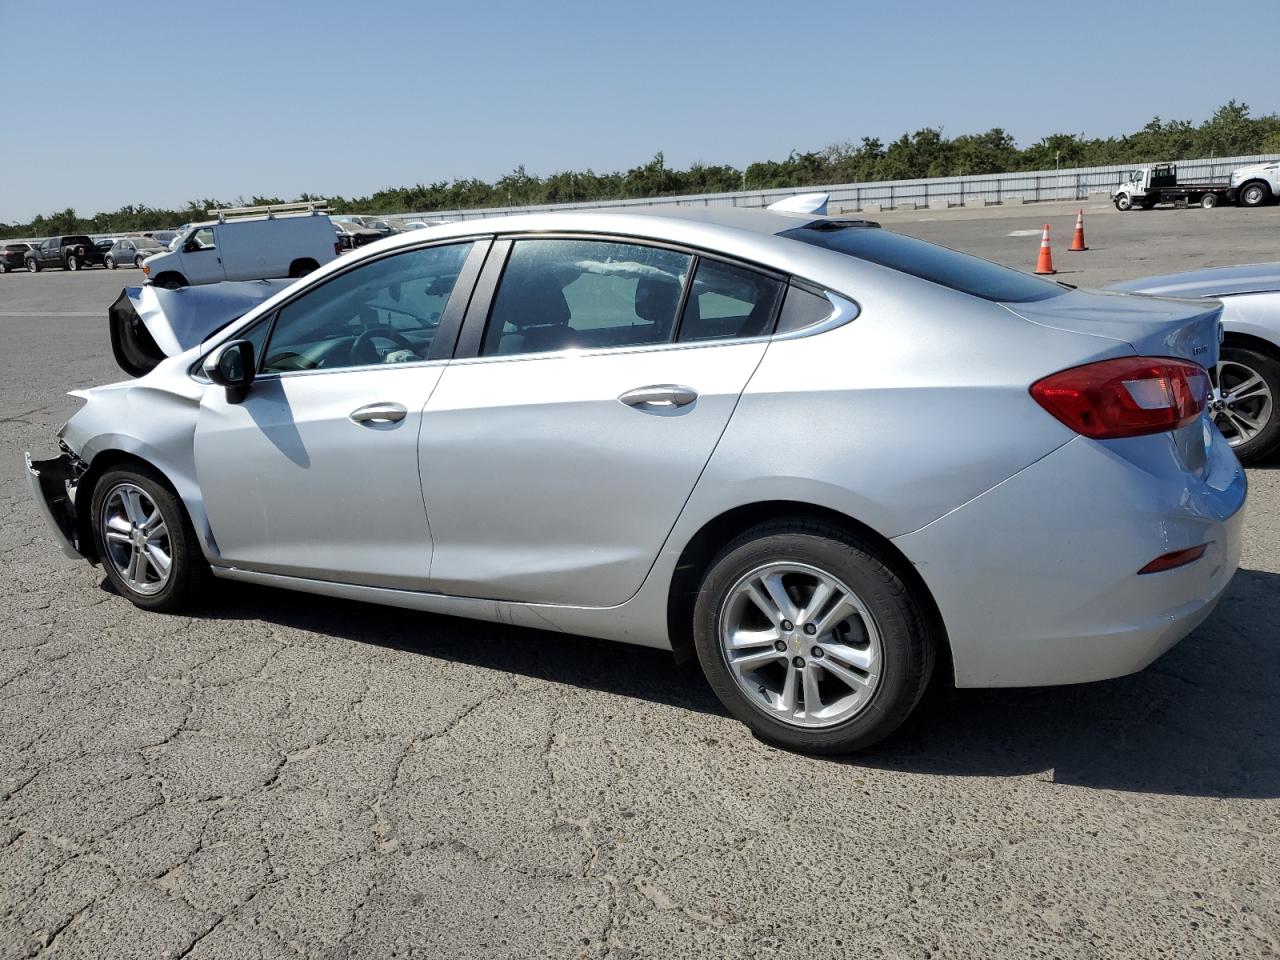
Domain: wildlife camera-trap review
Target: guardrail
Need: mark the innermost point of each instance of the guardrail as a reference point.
(1021, 187)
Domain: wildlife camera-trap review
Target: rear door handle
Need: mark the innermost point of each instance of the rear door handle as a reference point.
(379, 413)
(660, 395)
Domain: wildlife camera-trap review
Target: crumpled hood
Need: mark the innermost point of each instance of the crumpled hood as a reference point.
(150, 323)
(1212, 282)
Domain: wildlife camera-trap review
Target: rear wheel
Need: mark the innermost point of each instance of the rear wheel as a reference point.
(73, 262)
(1245, 394)
(1254, 194)
(1209, 201)
(145, 539)
(809, 637)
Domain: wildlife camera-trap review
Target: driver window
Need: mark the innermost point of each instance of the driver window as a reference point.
(386, 311)
(201, 239)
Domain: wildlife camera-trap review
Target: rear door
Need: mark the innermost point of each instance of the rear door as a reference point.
(560, 446)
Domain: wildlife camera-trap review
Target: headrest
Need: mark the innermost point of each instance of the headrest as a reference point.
(535, 300)
(657, 299)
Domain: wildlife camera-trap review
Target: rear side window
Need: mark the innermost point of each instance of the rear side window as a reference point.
(584, 295)
(728, 302)
(801, 309)
(928, 261)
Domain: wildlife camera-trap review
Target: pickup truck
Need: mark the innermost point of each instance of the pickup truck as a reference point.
(69, 252)
(1159, 183)
(1257, 183)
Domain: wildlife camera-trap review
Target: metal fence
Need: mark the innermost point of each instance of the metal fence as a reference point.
(1026, 187)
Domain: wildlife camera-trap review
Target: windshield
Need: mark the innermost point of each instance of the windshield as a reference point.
(928, 261)
(146, 243)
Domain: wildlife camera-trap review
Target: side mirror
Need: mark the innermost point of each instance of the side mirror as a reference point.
(233, 366)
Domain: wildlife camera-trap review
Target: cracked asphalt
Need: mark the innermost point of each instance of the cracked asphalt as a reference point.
(289, 776)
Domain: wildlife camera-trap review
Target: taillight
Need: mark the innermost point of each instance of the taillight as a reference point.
(1128, 397)
(337, 247)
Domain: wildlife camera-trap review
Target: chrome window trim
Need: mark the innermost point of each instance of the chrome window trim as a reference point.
(842, 311)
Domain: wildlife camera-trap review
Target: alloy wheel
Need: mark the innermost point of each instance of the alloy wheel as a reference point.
(1242, 404)
(800, 644)
(136, 539)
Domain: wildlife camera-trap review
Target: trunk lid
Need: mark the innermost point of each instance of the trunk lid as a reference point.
(1153, 326)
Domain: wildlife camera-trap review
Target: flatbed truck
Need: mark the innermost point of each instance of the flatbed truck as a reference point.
(1159, 183)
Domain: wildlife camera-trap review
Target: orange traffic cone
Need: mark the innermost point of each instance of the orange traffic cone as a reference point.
(1077, 242)
(1045, 263)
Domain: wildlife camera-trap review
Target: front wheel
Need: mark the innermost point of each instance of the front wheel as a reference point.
(809, 636)
(33, 265)
(137, 262)
(171, 281)
(1124, 202)
(1253, 195)
(145, 539)
(1244, 401)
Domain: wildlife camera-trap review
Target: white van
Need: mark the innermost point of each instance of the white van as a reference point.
(247, 243)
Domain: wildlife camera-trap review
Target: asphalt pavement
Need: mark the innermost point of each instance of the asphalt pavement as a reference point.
(281, 775)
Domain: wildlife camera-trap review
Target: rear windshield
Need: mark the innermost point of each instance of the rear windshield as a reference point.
(15, 248)
(941, 265)
(68, 241)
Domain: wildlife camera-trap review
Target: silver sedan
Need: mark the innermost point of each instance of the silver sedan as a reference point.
(826, 460)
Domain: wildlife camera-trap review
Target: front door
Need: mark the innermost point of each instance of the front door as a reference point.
(556, 462)
(201, 258)
(315, 473)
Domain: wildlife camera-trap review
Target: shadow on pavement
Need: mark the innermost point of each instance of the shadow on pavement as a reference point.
(1204, 720)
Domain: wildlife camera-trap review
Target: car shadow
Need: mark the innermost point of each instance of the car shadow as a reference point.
(1201, 721)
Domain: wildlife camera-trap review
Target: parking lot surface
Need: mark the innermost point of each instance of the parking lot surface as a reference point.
(282, 775)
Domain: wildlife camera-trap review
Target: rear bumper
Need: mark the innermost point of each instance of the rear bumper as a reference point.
(49, 484)
(1037, 581)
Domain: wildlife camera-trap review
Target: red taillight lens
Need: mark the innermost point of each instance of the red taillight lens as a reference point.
(1179, 558)
(337, 247)
(1128, 397)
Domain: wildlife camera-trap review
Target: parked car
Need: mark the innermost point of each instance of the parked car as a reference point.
(13, 256)
(103, 244)
(73, 252)
(351, 235)
(821, 457)
(1257, 183)
(164, 237)
(131, 251)
(384, 227)
(250, 244)
(421, 224)
(1246, 381)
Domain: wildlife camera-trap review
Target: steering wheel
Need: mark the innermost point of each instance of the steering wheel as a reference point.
(363, 350)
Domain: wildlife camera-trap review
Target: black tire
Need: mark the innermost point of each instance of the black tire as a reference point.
(171, 281)
(908, 653)
(300, 268)
(4, 267)
(1254, 194)
(1209, 201)
(1124, 202)
(189, 571)
(109, 262)
(1266, 442)
(73, 262)
(1148, 204)
(33, 265)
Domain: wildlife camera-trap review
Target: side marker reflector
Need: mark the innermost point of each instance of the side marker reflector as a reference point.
(1179, 558)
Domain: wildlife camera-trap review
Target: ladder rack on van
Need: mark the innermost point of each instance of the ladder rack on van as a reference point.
(271, 210)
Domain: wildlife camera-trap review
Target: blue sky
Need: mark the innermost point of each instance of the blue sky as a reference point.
(162, 103)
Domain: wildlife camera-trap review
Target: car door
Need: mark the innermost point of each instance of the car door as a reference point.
(50, 252)
(201, 257)
(315, 473)
(563, 441)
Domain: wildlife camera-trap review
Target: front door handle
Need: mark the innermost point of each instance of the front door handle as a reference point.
(379, 413)
(660, 395)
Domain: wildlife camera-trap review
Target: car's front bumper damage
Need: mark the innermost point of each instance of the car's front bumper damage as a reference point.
(53, 483)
